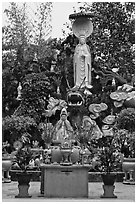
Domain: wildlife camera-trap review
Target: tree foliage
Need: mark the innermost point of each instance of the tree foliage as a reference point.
(15, 126)
(113, 37)
(19, 52)
(26, 58)
(36, 87)
(126, 119)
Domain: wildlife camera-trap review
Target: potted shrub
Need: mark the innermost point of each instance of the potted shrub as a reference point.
(126, 142)
(109, 163)
(125, 131)
(22, 161)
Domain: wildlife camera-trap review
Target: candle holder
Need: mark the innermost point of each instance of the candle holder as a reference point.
(66, 152)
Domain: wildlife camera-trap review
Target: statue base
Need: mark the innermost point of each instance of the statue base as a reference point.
(66, 163)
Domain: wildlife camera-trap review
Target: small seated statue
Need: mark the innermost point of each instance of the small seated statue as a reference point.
(63, 130)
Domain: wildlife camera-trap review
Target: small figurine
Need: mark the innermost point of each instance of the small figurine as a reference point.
(19, 92)
(63, 129)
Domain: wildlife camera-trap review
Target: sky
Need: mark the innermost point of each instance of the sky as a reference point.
(60, 15)
(61, 12)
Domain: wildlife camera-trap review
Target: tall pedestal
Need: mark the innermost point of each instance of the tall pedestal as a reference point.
(23, 191)
(65, 181)
(108, 191)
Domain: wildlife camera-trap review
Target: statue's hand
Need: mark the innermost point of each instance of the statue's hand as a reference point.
(83, 54)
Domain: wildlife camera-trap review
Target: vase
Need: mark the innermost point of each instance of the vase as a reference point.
(108, 187)
(75, 156)
(24, 179)
(128, 167)
(6, 166)
(56, 156)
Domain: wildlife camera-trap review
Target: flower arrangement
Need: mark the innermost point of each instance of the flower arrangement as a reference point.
(108, 155)
(23, 156)
(47, 132)
(124, 131)
(109, 160)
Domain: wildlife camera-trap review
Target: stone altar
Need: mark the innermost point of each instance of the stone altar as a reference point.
(64, 181)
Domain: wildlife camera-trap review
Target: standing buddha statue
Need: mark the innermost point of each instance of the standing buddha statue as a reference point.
(82, 28)
(82, 64)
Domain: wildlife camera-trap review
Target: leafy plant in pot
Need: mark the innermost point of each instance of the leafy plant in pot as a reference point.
(109, 159)
(126, 142)
(22, 160)
(125, 131)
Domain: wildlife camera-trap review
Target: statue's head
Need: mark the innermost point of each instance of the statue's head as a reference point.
(63, 114)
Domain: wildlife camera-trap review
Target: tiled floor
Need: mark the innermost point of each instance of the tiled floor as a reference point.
(125, 193)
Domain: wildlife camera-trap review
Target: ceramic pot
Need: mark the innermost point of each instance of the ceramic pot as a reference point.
(108, 187)
(23, 181)
(128, 167)
(23, 178)
(109, 178)
(6, 166)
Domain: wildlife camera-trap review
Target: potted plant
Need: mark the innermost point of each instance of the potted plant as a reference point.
(125, 131)
(109, 163)
(126, 142)
(22, 162)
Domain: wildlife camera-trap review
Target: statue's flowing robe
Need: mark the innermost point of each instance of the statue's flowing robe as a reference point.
(63, 129)
(82, 65)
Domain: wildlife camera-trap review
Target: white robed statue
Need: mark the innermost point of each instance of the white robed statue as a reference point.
(82, 64)
(82, 28)
(63, 129)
